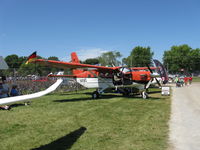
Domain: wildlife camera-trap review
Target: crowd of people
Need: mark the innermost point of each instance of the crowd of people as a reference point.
(183, 81)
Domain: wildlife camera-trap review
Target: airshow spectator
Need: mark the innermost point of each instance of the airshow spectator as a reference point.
(14, 91)
(190, 80)
(3, 94)
(177, 81)
(186, 80)
(5, 85)
(3, 91)
(182, 82)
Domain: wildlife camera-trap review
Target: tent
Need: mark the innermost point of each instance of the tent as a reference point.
(3, 64)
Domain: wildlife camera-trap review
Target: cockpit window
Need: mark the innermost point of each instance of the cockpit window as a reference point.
(125, 70)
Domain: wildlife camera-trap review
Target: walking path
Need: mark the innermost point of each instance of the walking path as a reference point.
(185, 118)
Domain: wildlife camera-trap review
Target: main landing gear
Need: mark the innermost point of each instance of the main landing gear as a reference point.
(95, 95)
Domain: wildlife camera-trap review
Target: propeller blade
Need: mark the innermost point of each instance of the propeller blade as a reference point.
(161, 71)
(149, 68)
(148, 84)
(152, 78)
(158, 82)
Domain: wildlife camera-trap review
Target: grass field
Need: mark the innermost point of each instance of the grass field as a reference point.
(196, 79)
(63, 121)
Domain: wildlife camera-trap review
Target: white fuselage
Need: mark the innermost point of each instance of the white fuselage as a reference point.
(95, 82)
(104, 83)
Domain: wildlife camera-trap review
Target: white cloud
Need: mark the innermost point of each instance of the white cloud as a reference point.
(84, 54)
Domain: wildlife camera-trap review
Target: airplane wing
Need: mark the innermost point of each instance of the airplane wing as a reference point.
(14, 99)
(64, 65)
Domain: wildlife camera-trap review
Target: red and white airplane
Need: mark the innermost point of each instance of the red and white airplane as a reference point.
(123, 79)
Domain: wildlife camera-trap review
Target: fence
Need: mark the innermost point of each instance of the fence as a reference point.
(29, 86)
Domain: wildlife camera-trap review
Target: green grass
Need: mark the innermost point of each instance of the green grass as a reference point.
(196, 79)
(74, 121)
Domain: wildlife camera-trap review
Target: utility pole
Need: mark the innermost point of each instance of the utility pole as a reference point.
(167, 67)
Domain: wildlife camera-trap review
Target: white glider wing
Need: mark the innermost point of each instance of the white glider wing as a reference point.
(53, 87)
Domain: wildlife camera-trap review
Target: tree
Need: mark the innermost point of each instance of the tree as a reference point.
(53, 58)
(27, 69)
(91, 61)
(179, 58)
(13, 61)
(139, 57)
(33, 68)
(49, 69)
(22, 60)
(110, 58)
(194, 56)
(17, 66)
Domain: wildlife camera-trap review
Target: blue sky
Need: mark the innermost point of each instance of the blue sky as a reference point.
(90, 27)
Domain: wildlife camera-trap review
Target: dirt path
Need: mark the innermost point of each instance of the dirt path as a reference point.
(185, 118)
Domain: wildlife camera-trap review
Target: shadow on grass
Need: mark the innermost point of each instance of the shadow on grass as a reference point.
(20, 104)
(157, 98)
(151, 92)
(107, 97)
(64, 142)
(72, 100)
(17, 105)
(75, 93)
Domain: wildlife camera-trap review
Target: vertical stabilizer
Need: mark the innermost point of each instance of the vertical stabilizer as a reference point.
(74, 58)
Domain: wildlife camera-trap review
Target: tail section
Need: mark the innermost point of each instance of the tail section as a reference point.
(74, 58)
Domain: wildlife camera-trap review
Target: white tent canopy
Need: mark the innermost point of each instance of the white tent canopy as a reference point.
(3, 64)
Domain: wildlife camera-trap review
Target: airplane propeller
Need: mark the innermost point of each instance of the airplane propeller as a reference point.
(154, 77)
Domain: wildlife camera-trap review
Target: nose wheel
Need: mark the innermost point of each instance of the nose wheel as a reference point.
(144, 95)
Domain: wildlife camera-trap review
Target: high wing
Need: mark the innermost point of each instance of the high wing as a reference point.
(64, 65)
(142, 68)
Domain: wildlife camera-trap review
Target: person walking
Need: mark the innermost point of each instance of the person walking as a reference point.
(190, 80)
(186, 80)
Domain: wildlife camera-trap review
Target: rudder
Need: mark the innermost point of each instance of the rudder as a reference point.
(74, 58)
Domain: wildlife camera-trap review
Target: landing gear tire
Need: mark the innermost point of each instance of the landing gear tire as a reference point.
(144, 95)
(95, 95)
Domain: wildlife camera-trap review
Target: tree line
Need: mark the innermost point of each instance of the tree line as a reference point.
(177, 59)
